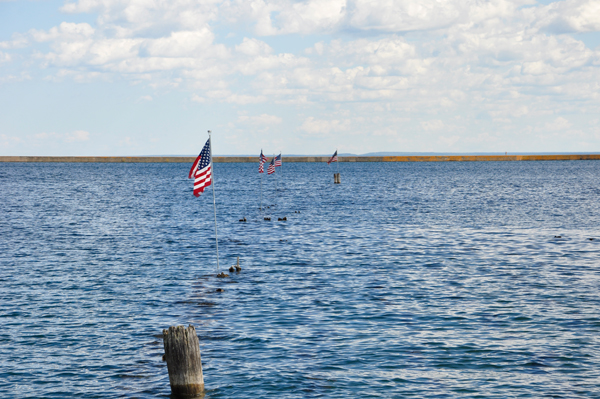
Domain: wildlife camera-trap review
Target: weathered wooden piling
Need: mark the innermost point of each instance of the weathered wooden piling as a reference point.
(336, 178)
(182, 354)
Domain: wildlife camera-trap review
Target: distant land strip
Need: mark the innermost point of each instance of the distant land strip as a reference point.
(232, 159)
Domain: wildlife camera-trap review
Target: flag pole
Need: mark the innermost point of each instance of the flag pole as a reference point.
(275, 172)
(214, 200)
(338, 161)
(260, 208)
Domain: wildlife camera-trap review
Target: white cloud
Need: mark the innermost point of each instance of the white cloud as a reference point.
(198, 99)
(324, 126)
(449, 141)
(260, 120)
(77, 136)
(181, 44)
(253, 47)
(559, 123)
(4, 57)
(432, 125)
(308, 17)
(65, 31)
(127, 141)
(23, 76)
(146, 15)
(71, 137)
(570, 16)
(8, 142)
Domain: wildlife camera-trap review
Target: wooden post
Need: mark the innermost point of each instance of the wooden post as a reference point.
(336, 178)
(182, 353)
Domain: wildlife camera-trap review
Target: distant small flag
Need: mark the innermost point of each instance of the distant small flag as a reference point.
(201, 170)
(271, 168)
(333, 158)
(263, 159)
(278, 160)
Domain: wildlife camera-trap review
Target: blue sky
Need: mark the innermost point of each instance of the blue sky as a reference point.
(150, 77)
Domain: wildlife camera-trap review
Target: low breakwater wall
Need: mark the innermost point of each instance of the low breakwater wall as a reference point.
(409, 158)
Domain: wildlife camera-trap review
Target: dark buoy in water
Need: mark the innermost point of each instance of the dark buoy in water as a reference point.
(591, 239)
(557, 236)
(243, 220)
(267, 218)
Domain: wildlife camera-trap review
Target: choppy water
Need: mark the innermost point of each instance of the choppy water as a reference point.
(438, 280)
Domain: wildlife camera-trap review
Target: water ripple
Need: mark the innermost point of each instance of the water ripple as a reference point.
(407, 280)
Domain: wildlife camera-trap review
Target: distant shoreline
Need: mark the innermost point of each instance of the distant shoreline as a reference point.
(234, 159)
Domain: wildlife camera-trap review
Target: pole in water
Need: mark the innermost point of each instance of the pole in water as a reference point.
(182, 354)
(214, 200)
(260, 208)
(338, 168)
(275, 173)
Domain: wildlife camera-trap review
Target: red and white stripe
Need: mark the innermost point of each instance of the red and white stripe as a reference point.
(203, 179)
(333, 158)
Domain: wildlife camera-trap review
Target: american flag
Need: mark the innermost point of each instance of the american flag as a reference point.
(271, 168)
(202, 170)
(278, 160)
(263, 159)
(333, 158)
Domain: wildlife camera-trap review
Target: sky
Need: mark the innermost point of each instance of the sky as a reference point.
(151, 77)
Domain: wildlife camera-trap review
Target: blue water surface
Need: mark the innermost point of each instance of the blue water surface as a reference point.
(437, 280)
